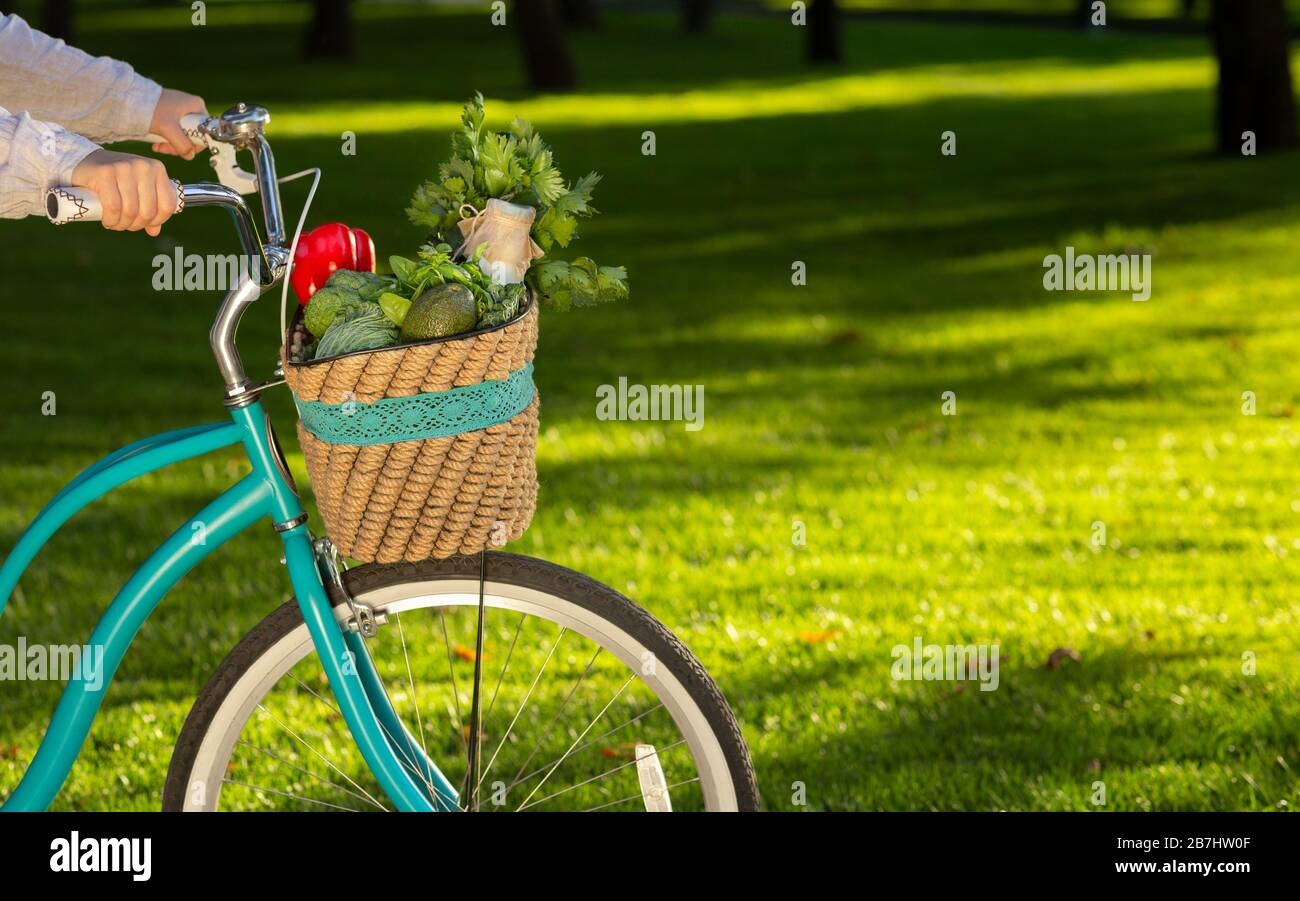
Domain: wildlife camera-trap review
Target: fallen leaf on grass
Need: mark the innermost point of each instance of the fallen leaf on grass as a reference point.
(464, 731)
(819, 637)
(465, 653)
(9, 753)
(1060, 655)
(625, 751)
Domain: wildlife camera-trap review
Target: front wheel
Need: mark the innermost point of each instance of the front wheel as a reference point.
(587, 701)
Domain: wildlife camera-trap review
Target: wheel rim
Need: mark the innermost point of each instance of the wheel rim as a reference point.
(243, 715)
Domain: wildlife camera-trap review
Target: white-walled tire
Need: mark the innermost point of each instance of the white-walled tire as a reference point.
(259, 717)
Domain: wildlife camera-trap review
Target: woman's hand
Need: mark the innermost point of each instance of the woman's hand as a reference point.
(166, 122)
(134, 191)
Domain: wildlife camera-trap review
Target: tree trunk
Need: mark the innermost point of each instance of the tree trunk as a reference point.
(1083, 13)
(580, 14)
(823, 32)
(329, 34)
(697, 16)
(56, 19)
(1250, 40)
(545, 47)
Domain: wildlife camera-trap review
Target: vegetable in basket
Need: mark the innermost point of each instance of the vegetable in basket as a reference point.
(360, 329)
(450, 298)
(345, 292)
(446, 309)
(325, 250)
(495, 303)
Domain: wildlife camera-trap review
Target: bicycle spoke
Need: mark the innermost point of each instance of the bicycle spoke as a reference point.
(581, 735)
(418, 769)
(604, 775)
(262, 788)
(509, 653)
(291, 765)
(600, 737)
(398, 747)
(327, 761)
(638, 797)
(410, 680)
(555, 719)
(313, 691)
(451, 668)
(522, 705)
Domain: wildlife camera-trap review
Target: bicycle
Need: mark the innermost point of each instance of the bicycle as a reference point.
(263, 732)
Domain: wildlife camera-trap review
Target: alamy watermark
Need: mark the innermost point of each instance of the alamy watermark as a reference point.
(52, 663)
(181, 271)
(946, 663)
(78, 854)
(1104, 272)
(674, 403)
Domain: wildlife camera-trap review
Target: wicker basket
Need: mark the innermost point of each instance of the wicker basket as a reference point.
(424, 450)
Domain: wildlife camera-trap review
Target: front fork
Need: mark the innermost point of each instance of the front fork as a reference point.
(398, 762)
(362, 626)
(403, 770)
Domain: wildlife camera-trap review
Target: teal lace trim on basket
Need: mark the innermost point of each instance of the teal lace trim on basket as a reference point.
(438, 414)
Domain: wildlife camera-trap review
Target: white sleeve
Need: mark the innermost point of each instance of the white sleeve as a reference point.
(34, 155)
(98, 97)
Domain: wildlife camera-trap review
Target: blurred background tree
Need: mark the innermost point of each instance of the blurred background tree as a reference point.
(824, 32)
(697, 15)
(548, 61)
(329, 33)
(1255, 94)
(581, 14)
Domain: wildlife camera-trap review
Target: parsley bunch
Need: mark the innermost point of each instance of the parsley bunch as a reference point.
(517, 166)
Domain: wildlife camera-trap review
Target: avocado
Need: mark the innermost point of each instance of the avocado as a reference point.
(443, 310)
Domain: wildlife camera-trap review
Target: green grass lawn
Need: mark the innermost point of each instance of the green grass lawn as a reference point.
(823, 402)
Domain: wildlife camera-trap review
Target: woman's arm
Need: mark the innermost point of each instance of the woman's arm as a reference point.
(98, 97)
(133, 191)
(35, 155)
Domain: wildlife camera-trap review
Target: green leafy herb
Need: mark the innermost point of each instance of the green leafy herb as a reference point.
(581, 283)
(518, 166)
(501, 304)
(364, 329)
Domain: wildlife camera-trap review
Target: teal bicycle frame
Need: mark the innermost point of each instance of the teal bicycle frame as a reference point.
(407, 776)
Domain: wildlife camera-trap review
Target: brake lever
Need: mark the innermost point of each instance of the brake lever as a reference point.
(201, 130)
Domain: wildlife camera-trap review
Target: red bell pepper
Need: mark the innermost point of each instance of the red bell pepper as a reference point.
(325, 249)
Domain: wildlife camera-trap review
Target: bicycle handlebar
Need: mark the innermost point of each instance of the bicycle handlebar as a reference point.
(64, 204)
(238, 128)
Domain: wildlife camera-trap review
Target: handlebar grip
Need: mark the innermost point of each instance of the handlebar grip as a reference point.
(64, 204)
(190, 124)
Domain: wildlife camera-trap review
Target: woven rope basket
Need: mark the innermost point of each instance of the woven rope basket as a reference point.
(426, 497)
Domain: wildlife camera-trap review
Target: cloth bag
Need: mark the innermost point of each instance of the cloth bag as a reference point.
(506, 230)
